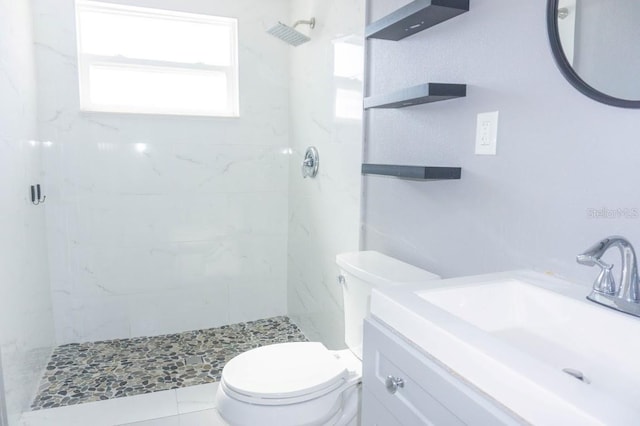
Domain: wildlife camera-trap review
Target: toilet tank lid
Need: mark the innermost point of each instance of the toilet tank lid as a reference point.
(380, 269)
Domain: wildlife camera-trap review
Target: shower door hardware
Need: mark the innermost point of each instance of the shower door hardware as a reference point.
(36, 195)
(310, 163)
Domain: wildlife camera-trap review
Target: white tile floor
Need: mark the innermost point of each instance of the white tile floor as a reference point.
(197, 418)
(190, 406)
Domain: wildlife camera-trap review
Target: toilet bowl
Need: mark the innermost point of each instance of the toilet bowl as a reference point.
(304, 383)
(290, 384)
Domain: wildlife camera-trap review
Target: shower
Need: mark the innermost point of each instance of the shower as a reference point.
(157, 275)
(289, 34)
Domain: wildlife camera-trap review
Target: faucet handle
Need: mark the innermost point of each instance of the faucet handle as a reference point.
(605, 283)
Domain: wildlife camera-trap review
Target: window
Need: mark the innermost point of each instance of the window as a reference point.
(151, 61)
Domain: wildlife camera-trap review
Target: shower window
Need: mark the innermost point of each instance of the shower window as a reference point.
(151, 61)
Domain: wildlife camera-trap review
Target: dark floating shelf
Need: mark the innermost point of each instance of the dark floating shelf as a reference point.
(413, 172)
(415, 17)
(416, 95)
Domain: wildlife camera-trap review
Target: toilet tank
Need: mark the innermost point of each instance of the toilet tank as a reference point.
(362, 271)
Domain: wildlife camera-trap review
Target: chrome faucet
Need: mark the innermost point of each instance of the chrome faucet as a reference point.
(624, 297)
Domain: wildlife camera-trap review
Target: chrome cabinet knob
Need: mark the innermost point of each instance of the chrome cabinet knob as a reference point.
(393, 383)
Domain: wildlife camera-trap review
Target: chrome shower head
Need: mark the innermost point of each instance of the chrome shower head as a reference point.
(289, 34)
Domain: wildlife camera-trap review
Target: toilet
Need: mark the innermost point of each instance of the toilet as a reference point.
(304, 383)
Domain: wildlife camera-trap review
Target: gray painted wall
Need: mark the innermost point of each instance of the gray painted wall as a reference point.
(559, 153)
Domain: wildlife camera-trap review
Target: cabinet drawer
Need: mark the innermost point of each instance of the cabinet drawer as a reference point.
(430, 394)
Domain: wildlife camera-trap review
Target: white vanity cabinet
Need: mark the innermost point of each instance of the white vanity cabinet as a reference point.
(403, 386)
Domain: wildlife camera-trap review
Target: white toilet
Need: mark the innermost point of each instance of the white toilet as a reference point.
(299, 384)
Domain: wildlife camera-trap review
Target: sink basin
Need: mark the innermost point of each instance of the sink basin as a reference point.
(530, 341)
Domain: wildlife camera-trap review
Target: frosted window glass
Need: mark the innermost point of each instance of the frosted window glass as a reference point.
(137, 88)
(155, 38)
(141, 60)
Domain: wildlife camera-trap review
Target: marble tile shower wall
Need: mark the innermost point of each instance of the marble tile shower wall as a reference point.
(161, 224)
(324, 213)
(26, 331)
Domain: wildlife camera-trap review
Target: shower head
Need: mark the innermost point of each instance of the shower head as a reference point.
(289, 34)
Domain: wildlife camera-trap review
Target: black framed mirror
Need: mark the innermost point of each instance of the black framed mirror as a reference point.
(596, 45)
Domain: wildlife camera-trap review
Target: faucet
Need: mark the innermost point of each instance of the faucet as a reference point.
(624, 297)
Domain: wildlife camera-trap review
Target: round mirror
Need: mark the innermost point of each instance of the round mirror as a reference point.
(596, 44)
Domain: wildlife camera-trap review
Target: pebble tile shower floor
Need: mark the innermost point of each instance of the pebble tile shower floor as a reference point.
(96, 371)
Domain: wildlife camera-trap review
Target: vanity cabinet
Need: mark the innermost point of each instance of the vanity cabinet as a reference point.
(403, 386)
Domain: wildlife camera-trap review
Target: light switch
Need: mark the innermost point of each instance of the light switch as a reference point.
(487, 133)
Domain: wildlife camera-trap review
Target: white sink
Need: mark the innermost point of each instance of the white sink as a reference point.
(511, 335)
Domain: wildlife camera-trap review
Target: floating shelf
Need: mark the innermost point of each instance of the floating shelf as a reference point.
(416, 95)
(415, 17)
(413, 172)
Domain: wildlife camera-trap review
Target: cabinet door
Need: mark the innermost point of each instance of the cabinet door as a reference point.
(430, 394)
(376, 414)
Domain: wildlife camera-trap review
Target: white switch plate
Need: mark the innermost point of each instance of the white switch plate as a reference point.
(487, 133)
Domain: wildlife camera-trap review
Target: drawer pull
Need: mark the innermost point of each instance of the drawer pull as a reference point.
(393, 383)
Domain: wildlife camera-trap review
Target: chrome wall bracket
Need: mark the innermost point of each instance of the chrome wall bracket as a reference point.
(311, 163)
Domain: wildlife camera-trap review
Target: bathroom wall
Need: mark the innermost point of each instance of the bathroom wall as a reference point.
(26, 331)
(566, 167)
(160, 224)
(326, 105)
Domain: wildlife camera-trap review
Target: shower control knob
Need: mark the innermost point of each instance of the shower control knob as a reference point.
(393, 383)
(311, 163)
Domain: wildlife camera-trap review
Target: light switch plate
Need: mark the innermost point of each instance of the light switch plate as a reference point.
(487, 133)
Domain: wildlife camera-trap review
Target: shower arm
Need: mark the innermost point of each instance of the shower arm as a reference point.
(311, 23)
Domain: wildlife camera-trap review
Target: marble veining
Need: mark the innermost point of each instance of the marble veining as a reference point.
(95, 371)
(324, 213)
(161, 224)
(26, 317)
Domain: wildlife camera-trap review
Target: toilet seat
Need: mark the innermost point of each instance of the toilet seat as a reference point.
(285, 373)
